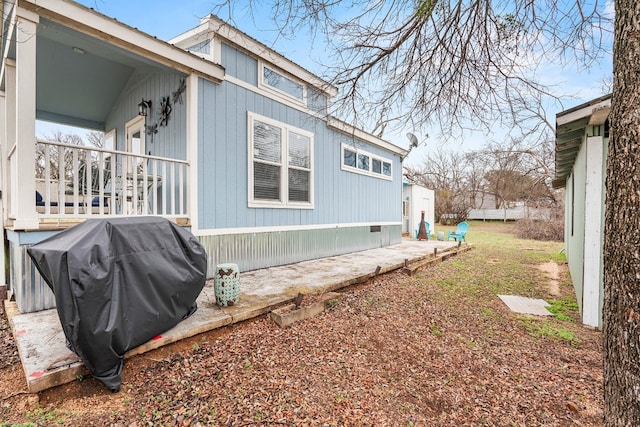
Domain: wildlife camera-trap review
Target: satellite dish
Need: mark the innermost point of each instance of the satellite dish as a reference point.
(413, 140)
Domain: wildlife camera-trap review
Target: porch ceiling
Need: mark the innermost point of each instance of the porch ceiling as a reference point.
(79, 78)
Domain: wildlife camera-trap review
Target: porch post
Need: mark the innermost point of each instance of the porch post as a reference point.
(3, 154)
(9, 134)
(192, 150)
(25, 120)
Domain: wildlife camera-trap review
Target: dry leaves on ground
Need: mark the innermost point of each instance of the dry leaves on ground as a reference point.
(398, 351)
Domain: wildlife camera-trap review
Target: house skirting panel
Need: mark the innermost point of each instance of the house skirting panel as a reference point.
(252, 251)
(26, 285)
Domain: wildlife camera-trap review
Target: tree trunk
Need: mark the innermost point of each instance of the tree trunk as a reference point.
(621, 318)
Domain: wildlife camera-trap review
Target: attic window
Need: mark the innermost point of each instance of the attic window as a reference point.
(279, 83)
(203, 47)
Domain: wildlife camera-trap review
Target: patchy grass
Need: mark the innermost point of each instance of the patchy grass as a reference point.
(438, 349)
(500, 264)
(45, 416)
(514, 271)
(548, 329)
(564, 309)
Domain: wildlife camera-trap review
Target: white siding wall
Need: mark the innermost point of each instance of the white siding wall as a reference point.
(594, 203)
(420, 199)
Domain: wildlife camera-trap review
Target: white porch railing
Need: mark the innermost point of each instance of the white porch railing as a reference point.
(75, 181)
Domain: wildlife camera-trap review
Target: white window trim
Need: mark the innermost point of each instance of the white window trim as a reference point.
(369, 172)
(277, 92)
(110, 135)
(214, 48)
(284, 177)
(286, 101)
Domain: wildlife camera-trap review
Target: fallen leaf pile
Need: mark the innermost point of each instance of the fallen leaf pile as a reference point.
(398, 351)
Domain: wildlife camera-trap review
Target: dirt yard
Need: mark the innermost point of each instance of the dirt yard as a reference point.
(436, 349)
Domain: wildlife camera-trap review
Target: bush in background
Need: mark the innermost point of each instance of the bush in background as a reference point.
(548, 230)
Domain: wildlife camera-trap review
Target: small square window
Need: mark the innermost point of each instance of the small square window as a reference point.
(376, 166)
(363, 162)
(349, 158)
(386, 168)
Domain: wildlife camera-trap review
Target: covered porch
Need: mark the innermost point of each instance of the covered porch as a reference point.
(66, 64)
(78, 182)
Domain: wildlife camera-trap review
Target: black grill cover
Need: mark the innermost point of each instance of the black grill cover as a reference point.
(118, 283)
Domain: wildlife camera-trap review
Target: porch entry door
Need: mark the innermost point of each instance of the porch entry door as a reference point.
(405, 216)
(133, 164)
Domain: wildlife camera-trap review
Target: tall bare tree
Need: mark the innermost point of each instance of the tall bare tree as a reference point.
(518, 172)
(621, 319)
(447, 173)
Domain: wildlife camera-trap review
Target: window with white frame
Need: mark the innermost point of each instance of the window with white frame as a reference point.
(208, 48)
(203, 47)
(280, 164)
(359, 161)
(277, 82)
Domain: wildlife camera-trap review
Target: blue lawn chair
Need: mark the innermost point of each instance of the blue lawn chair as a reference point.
(461, 231)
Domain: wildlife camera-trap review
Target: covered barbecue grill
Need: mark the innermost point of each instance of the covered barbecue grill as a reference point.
(118, 282)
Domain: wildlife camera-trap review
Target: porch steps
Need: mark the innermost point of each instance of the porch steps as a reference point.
(47, 362)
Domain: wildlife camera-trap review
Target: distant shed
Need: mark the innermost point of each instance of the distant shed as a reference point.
(415, 199)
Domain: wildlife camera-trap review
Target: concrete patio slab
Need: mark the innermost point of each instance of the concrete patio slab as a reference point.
(525, 305)
(47, 362)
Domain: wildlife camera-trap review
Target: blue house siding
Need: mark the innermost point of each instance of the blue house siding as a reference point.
(239, 65)
(170, 141)
(345, 204)
(316, 101)
(340, 197)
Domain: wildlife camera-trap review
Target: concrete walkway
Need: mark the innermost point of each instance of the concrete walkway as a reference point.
(47, 362)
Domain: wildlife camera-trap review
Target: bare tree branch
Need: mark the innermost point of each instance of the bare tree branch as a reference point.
(433, 62)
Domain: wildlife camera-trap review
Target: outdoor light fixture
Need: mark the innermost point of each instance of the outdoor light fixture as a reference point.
(144, 107)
